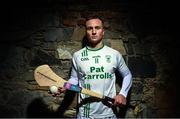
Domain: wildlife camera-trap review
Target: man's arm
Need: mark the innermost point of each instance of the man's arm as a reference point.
(74, 76)
(126, 84)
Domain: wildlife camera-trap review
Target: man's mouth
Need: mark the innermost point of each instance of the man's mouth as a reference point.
(94, 37)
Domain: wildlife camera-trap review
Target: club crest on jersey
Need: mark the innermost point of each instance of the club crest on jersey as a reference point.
(108, 58)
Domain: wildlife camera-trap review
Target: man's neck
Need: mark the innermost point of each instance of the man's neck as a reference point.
(96, 46)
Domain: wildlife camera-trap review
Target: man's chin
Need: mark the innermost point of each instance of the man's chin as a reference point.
(94, 41)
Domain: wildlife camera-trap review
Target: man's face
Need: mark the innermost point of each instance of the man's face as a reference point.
(94, 31)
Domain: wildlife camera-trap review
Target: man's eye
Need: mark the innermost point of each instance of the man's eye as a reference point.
(89, 28)
(97, 27)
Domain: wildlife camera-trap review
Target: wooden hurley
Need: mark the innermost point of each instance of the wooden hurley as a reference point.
(45, 76)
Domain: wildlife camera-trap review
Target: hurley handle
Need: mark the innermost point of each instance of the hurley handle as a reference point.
(109, 99)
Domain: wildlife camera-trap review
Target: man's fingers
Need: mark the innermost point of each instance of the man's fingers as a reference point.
(61, 90)
(119, 100)
(55, 94)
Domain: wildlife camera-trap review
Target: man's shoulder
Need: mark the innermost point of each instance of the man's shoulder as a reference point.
(113, 51)
(109, 49)
(79, 51)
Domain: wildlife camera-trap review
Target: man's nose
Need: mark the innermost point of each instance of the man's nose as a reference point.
(93, 31)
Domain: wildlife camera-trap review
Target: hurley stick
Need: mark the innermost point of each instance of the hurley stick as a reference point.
(45, 76)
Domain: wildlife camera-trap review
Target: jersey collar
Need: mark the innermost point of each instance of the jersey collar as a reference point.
(94, 49)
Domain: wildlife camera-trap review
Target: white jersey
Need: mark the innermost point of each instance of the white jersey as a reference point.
(94, 69)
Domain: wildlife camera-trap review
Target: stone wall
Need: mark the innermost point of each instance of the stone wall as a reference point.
(49, 32)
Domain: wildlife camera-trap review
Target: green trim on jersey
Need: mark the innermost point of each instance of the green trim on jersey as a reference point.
(94, 49)
(87, 106)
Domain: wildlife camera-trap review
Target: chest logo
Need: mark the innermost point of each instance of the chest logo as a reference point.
(96, 59)
(85, 59)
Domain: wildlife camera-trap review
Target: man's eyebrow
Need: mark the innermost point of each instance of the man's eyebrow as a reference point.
(98, 26)
(93, 26)
(89, 26)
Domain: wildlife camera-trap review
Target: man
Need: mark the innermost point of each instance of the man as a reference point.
(93, 67)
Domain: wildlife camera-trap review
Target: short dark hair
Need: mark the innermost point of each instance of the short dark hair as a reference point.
(95, 17)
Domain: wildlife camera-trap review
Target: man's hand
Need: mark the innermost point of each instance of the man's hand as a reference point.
(119, 100)
(60, 90)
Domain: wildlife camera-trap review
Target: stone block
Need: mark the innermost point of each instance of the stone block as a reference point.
(78, 34)
(48, 46)
(69, 22)
(43, 57)
(112, 35)
(58, 34)
(118, 45)
(63, 54)
(65, 50)
(138, 48)
(129, 48)
(142, 67)
(137, 87)
(50, 20)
